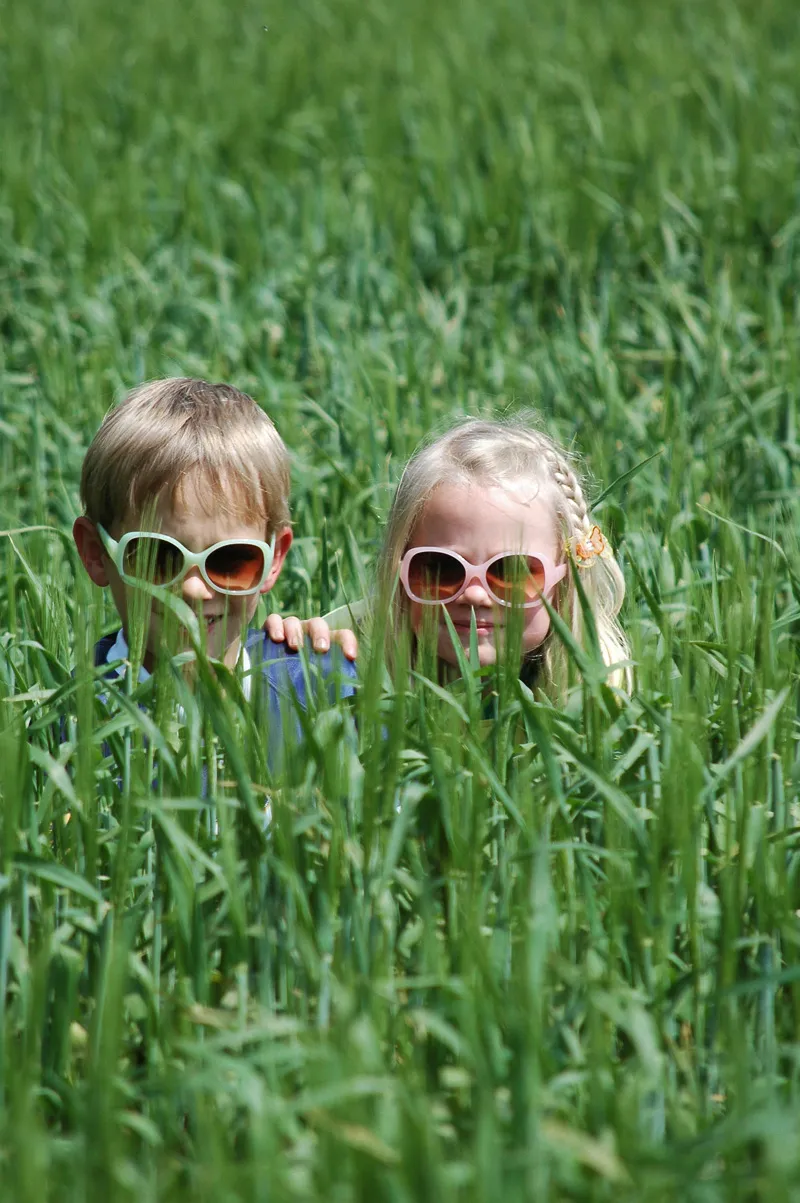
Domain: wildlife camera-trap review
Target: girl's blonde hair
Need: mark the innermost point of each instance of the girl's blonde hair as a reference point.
(167, 432)
(506, 452)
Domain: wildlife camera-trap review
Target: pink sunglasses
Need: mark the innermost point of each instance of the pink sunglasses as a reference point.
(435, 576)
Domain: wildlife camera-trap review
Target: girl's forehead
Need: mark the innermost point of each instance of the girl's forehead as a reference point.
(498, 516)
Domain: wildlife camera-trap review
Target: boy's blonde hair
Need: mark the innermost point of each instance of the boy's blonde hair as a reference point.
(169, 431)
(506, 452)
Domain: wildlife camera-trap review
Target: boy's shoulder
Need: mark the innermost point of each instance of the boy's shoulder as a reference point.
(287, 670)
(282, 670)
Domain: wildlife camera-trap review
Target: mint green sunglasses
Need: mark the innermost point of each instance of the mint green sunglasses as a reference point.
(235, 567)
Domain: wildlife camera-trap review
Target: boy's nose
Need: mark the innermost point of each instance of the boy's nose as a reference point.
(194, 588)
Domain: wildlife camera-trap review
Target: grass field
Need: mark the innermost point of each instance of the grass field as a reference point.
(551, 957)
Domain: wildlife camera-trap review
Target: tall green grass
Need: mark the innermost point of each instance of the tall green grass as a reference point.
(549, 954)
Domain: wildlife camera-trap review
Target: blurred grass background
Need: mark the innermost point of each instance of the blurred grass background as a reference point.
(566, 967)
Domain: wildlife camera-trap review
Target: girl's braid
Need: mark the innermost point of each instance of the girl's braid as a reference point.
(576, 508)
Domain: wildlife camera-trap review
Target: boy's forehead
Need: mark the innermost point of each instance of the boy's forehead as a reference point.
(203, 493)
(199, 498)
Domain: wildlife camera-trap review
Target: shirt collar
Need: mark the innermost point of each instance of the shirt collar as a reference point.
(119, 651)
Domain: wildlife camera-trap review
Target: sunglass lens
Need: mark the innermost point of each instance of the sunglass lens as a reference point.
(236, 566)
(153, 559)
(434, 576)
(517, 579)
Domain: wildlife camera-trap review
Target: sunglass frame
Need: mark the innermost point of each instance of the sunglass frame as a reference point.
(116, 552)
(553, 573)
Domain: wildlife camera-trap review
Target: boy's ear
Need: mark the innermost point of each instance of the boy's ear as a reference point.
(91, 550)
(283, 541)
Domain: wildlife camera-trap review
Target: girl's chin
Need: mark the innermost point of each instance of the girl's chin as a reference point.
(486, 651)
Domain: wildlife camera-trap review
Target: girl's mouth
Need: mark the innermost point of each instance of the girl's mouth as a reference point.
(482, 628)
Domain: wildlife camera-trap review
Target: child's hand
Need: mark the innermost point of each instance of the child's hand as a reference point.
(293, 631)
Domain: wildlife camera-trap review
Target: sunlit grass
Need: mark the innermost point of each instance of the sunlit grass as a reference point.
(524, 950)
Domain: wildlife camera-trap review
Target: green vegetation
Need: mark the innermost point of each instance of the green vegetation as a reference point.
(549, 957)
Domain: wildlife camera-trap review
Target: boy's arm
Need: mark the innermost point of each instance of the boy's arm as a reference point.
(292, 631)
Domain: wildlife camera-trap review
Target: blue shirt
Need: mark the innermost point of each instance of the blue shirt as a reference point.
(274, 678)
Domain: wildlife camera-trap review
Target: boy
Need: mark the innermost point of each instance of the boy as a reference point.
(203, 470)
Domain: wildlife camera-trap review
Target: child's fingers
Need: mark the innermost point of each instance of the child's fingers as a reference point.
(293, 628)
(293, 631)
(287, 630)
(319, 633)
(274, 628)
(348, 642)
(322, 636)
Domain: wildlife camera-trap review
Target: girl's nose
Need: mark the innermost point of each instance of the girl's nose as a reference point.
(475, 594)
(194, 588)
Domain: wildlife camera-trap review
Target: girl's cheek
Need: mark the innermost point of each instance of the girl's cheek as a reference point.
(536, 630)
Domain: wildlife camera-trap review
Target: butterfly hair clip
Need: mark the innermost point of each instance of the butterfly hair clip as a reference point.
(585, 549)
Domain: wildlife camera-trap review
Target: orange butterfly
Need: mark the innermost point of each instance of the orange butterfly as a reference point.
(585, 549)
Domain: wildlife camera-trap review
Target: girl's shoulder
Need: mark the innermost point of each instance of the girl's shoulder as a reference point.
(351, 615)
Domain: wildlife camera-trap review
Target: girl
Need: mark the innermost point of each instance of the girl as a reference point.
(486, 517)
